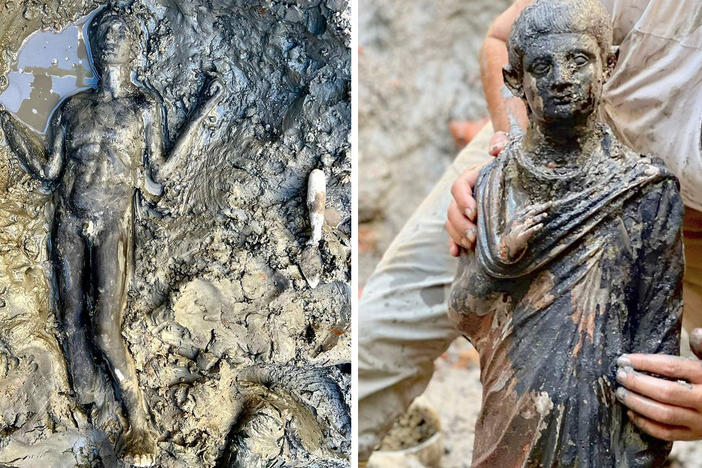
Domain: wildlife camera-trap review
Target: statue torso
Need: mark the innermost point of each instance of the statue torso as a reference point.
(104, 144)
(549, 327)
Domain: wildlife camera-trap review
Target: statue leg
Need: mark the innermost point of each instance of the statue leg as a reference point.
(110, 266)
(69, 255)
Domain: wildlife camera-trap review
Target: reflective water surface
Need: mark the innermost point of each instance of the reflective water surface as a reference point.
(49, 67)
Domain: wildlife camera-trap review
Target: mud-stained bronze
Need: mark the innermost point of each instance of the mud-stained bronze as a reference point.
(98, 139)
(578, 260)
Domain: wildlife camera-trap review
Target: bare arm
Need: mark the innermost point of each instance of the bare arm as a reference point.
(31, 150)
(164, 163)
(493, 57)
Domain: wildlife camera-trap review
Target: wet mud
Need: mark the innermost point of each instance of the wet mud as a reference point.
(241, 363)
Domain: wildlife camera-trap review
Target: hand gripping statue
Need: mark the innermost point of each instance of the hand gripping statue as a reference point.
(97, 142)
(578, 260)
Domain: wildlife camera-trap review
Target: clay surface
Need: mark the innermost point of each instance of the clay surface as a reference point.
(240, 363)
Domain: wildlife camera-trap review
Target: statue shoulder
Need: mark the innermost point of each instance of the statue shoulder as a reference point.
(148, 100)
(660, 183)
(74, 102)
(630, 160)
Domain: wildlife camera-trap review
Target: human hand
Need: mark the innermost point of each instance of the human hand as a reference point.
(524, 225)
(498, 142)
(460, 219)
(668, 410)
(462, 212)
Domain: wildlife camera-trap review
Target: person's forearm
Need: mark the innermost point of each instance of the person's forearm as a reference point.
(493, 57)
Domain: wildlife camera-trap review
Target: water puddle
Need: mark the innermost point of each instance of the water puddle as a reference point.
(49, 67)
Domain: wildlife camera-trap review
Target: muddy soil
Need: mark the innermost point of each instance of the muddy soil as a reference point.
(241, 362)
(413, 428)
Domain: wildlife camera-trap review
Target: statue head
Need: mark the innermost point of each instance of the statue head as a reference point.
(112, 39)
(559, 59)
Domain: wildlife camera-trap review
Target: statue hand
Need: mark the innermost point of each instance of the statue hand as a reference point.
(4, 117)
(213, 93)
(525, 224)
(215, 89)
(7, 362)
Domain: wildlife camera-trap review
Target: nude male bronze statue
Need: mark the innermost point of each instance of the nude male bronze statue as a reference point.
(578, 259)
(98, 140)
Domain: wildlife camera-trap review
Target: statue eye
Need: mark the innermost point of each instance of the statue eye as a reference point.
(540, 68)
(581, 60)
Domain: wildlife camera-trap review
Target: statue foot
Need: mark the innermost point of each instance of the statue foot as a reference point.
(108, 417)
(138, 447)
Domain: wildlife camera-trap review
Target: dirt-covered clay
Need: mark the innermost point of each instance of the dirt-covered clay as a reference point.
(240, 362)
(417, 425)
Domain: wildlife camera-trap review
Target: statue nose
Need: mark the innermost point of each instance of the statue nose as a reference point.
(561, 86)
(562, 79)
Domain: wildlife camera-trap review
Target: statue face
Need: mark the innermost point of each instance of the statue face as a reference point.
(563, 78)
(113, 43)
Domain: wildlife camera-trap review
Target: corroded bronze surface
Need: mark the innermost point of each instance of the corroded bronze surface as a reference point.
(578, 260)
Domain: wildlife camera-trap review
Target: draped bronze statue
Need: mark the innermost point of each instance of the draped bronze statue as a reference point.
(578, 259)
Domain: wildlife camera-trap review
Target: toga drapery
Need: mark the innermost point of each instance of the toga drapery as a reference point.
(602, 278)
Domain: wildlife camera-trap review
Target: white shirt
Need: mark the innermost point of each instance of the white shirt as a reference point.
(653, 101)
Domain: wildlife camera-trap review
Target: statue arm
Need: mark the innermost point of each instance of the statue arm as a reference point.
(165, 163)
(57, 139)
(658, 387)
(660, 271)
(31, 150)
(153, 123)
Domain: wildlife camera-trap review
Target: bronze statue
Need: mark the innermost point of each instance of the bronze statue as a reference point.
(97, 142)
(578, 259)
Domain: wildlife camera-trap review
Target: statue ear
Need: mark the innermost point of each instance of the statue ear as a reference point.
(611, 62)
(513, 81)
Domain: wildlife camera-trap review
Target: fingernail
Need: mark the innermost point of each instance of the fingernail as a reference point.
(624, 361)
(470, 213)
(621, 393)
(470, 235)
(621, 375)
